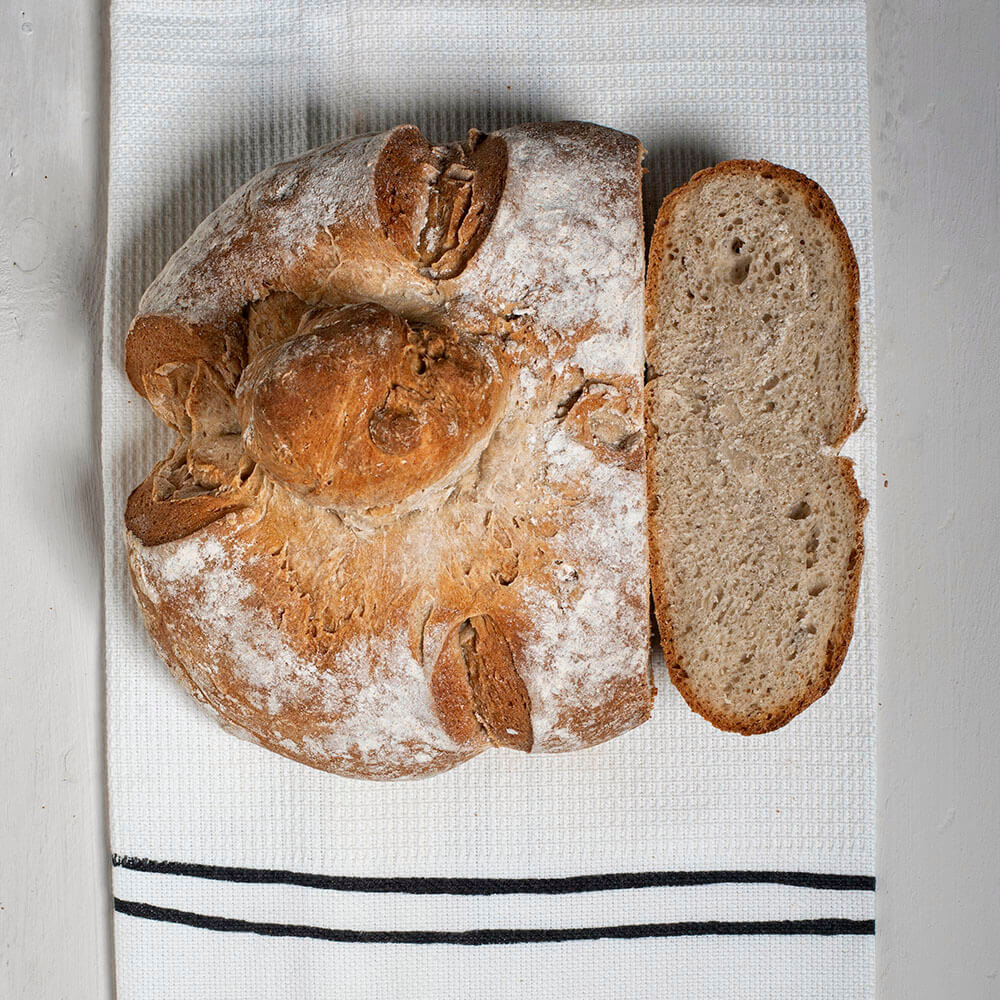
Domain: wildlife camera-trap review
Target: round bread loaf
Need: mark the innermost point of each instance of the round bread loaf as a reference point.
(404, 516)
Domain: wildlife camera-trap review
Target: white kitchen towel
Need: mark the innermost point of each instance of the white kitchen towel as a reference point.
(676, 861)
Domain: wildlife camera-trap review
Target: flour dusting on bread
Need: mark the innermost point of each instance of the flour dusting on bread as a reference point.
(394, 642)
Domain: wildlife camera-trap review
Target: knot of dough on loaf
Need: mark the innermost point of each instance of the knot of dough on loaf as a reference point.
(437, 203)
(602, 415)
(362, 411)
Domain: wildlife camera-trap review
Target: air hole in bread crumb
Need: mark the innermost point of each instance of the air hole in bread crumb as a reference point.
(737, 245)
(739, 271)
(817, 588)
(772, 381)
(798, 510)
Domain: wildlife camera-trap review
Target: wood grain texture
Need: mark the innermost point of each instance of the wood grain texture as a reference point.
(54, 905)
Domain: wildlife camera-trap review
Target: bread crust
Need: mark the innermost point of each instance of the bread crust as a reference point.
(821, 206)
(507, 605)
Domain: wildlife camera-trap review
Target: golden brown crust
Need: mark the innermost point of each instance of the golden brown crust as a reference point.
(437, 203)
(155, 521)
(838, 642)
(254, 647)
(358, 409)
(321, 633)
(154, 341)
(477, 664)
(269, 319)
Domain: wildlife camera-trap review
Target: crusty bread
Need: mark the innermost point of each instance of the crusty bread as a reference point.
(404, 517)
(755, 521)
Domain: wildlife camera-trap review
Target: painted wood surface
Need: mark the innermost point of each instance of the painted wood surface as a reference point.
(935, 112)
(54, 909)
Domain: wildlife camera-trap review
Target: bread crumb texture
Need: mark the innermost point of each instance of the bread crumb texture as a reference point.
(755, 520)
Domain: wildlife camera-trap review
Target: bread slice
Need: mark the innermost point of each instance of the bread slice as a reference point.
(755, 520)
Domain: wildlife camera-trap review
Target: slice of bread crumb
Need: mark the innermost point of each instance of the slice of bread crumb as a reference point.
(756, 539)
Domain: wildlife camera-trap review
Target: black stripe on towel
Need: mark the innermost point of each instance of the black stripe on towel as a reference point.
(494, 886)
(828, 926)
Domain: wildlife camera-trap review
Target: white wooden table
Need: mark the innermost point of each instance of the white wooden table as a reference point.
(935, 106)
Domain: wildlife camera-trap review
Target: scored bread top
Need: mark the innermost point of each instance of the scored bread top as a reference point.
(495, 591)
(755, 522)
